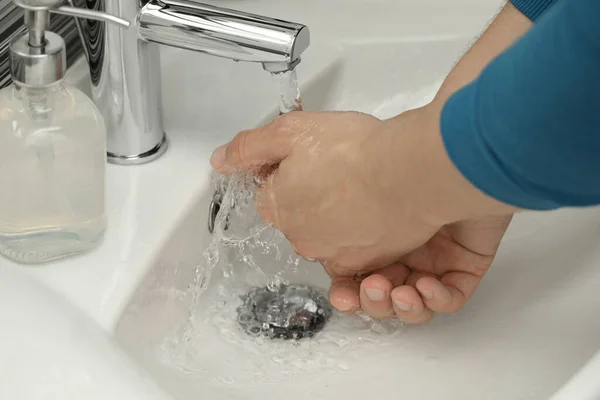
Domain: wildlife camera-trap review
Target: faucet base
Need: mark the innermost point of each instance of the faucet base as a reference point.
(142, 158)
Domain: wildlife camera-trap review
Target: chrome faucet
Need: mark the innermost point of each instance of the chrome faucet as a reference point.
(125, 66)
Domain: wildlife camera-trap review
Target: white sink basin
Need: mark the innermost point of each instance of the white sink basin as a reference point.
(111, 324)
(529, 328)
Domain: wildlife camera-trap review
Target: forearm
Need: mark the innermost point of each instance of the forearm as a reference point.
(522, 135)
(449, 187)
(415, 160)
(509, 25)
(526, 130)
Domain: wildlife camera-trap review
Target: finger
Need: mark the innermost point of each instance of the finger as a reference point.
(448, 295)
(375, 290)
(414, 277)
(395, 273)
(268, 144)
(409, 306)
(343, 294)
(375, 297)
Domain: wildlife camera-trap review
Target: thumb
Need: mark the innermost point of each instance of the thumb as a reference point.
(266, 145)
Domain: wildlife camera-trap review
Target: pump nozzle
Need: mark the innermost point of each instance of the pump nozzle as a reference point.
(56, 7)
(90, 14)
(38, 57)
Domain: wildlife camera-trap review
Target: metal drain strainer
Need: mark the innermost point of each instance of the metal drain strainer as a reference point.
(288, 312)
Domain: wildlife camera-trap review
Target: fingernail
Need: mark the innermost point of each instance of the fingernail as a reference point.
(217, 160)
(402, 306)
(427, 293)
(375, 294)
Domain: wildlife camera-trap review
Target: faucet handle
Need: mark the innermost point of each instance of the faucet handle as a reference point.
(56, 7)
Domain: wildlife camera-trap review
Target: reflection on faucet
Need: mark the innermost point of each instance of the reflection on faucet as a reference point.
(223, 33)
(125, 65)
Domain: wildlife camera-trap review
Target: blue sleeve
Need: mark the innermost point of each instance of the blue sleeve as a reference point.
(532, 8)
(527, 130)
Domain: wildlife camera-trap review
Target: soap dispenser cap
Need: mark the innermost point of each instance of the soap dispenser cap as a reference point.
(38, 66)
(38, 56)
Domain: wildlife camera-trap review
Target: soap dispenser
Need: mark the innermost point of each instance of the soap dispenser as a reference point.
(52, 147)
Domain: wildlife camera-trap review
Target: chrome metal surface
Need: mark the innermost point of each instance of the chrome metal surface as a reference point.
(38, 57)
(11, 24)
(80, 33)
(36, 23)
(39, 19)
(222, 32)
(125, 65)
(213, 210)
(148, 156)
(37, 5)
(277, 67)
(90, 14)
(287, 312)
(37, 66)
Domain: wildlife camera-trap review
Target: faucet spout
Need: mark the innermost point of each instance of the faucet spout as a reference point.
(125, 65)
(222, 32)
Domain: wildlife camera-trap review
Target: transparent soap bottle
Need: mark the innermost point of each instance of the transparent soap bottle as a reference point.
(52, 155)
(52, 166)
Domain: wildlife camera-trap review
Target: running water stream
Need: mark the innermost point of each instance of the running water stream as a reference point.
(238, 230)
(288, 91)
(249, 256)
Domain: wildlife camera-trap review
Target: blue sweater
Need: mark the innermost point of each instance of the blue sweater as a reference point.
(527, 130)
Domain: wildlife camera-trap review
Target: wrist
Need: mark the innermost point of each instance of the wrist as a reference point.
(424, 169)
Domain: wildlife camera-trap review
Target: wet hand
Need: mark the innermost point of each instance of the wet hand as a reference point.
(438, 277)
(359, 193)
(329, 188)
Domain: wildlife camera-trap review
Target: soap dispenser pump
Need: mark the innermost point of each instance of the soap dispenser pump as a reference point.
(52, 147)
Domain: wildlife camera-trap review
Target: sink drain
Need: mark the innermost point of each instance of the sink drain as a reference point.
(288, 312)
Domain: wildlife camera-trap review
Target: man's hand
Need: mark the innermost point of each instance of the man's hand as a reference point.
(439, 276)
(332, 191)
(358, 193)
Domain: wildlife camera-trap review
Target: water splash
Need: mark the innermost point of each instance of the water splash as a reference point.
(238, 229)
(217, 347)
(248, 253)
